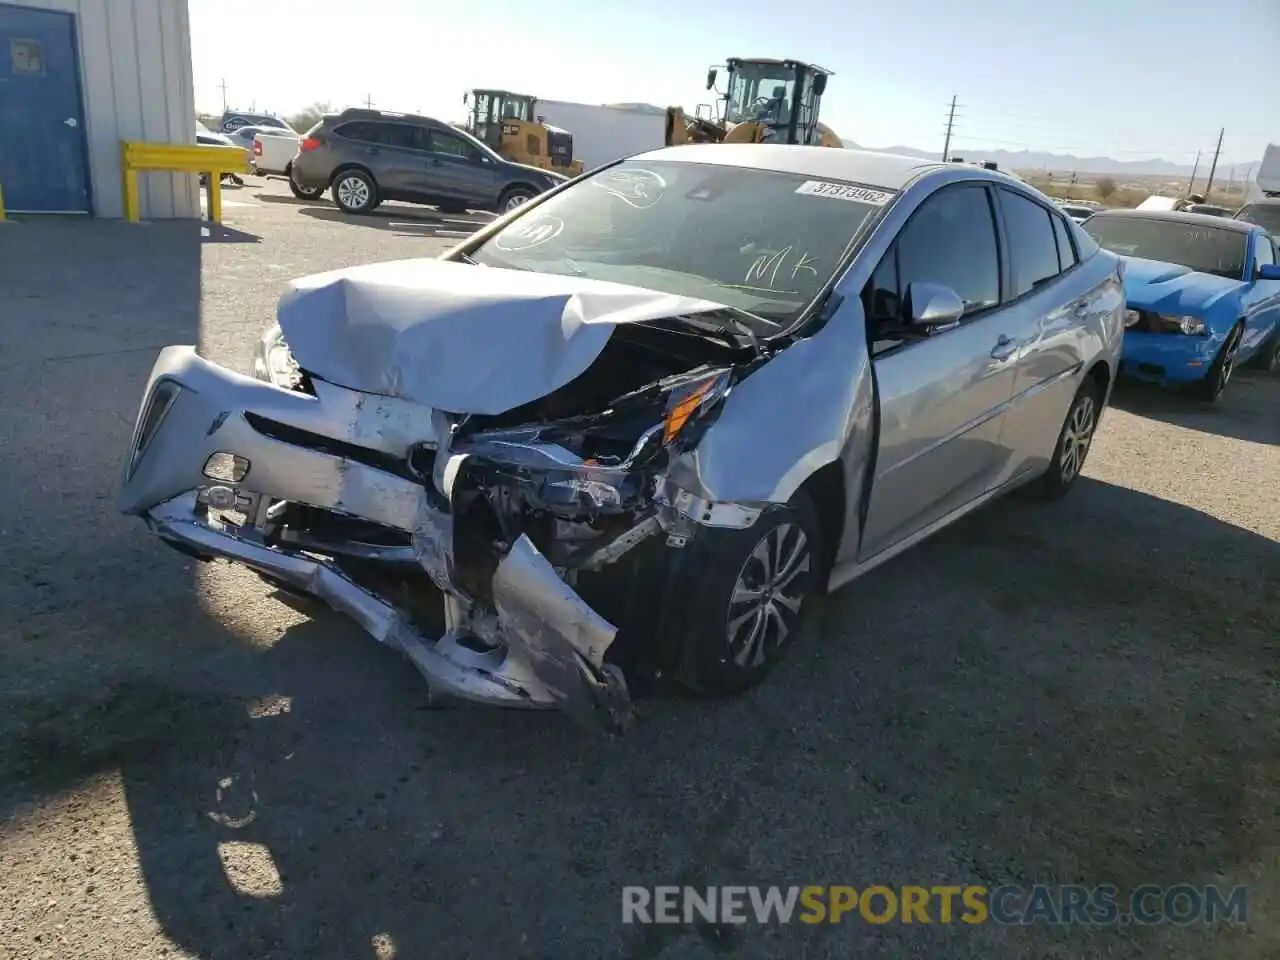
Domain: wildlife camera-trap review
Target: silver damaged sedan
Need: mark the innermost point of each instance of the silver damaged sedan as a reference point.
(634, 427)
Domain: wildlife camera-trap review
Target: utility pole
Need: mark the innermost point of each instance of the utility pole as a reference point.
(1194, 170)
(951, 119)
(223, 87)
(1213, 169)
(368, 101)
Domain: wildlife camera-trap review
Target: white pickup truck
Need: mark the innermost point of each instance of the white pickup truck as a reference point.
(273, 153)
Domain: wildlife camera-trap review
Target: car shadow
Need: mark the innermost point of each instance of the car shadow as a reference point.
(1246, 410)
(405, 220)
(99, 630)
(1032, 696)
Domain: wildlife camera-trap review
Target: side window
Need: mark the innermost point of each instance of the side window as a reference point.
(395, 135)
(1263, 252)
(1086, 246)
(357, 130)
(882, 299)
(951, 240)
(1066, 251)
(442, 142)
(1033, 249)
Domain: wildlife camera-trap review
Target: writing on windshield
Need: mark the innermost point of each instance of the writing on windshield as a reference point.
(1204, 249)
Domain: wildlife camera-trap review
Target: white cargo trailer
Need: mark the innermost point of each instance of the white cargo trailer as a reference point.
(603, 134)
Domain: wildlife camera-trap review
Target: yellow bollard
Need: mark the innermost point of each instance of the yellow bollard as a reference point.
(1, 206)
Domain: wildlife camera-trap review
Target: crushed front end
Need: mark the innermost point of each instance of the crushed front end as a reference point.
(499, 552)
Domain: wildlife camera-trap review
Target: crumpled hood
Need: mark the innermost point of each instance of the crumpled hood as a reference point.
(460, 337)
(1172, 289)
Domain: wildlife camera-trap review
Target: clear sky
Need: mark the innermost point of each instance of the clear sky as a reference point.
(1130, 79)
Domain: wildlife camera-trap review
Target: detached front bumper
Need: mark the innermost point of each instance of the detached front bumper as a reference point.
(340, 451)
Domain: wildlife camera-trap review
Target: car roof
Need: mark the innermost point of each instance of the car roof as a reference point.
(885, 170)
(1180, 216)
(1264, 202)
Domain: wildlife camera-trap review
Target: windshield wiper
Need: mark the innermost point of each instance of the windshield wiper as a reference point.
(741, 329)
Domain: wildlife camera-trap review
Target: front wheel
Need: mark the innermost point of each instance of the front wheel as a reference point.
(1074, 442)
(354, 191)
(1215, 381)
(515, 197)
(760, 584)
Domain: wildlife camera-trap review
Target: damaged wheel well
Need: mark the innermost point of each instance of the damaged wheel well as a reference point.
(826, 489)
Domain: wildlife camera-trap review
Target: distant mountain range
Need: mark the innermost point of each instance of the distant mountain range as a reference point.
(1034, 160)
(1015, 159)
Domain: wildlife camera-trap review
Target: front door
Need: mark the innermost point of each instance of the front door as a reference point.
(43, 161)
(456, 170)
(942, 397)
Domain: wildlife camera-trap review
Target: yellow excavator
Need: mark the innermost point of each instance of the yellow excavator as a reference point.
(508, 123)
(764, 101)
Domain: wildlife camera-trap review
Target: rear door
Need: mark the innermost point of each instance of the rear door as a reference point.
(942, 397)
(1051, 304)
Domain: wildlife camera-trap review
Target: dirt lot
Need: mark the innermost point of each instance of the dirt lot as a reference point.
(1085, 693)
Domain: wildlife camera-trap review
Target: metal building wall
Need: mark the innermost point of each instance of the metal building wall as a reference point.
(135, 77)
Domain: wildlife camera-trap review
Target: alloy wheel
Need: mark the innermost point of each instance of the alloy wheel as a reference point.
(353, 192)
(1077, 434)
(519, 200)
(1228, 361)
(764, 607)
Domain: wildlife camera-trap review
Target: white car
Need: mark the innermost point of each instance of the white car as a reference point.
(273, 151)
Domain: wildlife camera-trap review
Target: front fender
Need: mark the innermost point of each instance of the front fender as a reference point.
(786, 420)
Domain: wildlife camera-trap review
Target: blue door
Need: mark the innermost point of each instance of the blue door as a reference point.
(43, 163)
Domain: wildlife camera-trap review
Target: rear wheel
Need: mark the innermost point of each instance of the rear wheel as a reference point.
(1268, 358)
(1219, 375)
(355, 191)
(302, 193)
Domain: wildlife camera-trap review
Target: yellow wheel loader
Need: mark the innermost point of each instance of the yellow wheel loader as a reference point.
(509, 124)
(765, 101)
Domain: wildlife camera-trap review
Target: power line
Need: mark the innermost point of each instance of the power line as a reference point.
(951, 119)
(1214, 168)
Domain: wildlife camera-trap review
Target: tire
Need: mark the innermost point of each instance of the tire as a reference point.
(728, 646)
(354, 191)
(1074, 440)
(1215, 381)
(305, 193)
(1268, 358)
(513, 198)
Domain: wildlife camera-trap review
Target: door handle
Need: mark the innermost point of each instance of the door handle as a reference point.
(372, 151)
(71, 122)
(433, 162)
(1005, 348)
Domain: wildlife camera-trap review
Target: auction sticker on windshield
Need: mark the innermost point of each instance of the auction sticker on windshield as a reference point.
(844, 191)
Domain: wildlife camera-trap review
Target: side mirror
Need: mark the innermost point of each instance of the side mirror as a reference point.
(711, 77)
(933, 305)
(819, 84)
(1269, 271)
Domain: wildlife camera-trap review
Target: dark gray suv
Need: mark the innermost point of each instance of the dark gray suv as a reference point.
(367, 156)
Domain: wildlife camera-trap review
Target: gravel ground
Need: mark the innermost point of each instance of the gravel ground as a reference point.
(1083, 693)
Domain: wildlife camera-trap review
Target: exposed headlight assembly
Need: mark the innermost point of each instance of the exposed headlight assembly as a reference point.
(273, 361)
(1191, 326)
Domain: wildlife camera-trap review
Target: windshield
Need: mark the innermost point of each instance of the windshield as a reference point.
(757, 240)
(1265, 215)
(1200, 248)
(760, 92)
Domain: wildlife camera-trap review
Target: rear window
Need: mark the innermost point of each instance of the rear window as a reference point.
(758, 240)
(1265, 215)
(1201, 248)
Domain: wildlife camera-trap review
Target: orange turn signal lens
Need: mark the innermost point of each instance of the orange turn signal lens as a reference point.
(683, 410)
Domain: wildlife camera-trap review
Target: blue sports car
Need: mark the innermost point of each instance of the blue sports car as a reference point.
(1203, 294)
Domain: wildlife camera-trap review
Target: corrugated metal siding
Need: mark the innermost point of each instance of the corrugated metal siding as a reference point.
(135, 74)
